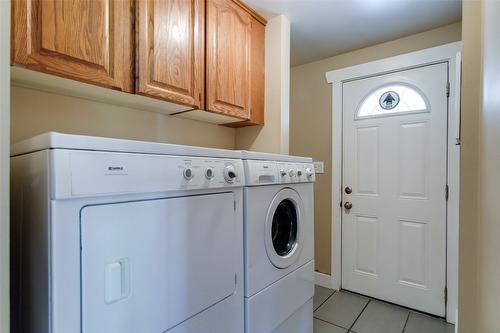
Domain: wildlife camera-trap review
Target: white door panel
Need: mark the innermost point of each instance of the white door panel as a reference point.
(394, 236)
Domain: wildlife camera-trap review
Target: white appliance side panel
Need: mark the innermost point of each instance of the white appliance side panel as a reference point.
(270, 308)
(30, 250)
(148, 266)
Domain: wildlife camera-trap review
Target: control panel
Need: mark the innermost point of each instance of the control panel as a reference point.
(259, 172)
(94, 173)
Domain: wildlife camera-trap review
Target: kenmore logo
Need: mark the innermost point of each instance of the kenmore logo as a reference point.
(115, 168)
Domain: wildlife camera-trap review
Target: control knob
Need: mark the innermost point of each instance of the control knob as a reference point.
(309, 172)
(282, 173)
(188, 173)
(230, 173)
(291, 173)
(299, 173)
(209, 173)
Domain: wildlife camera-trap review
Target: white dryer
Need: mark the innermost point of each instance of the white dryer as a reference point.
(119, 236)
(279, 243)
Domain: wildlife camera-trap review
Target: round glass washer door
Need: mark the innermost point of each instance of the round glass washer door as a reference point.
(283, 234)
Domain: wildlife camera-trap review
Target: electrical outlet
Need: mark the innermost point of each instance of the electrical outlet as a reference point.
(319, 167)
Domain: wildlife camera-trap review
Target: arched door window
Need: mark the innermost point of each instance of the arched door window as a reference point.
(392, 99)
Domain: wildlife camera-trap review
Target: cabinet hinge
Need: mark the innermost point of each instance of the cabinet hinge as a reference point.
(447, 89)
(446, 192)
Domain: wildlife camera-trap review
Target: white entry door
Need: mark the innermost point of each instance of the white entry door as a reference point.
(394, 187)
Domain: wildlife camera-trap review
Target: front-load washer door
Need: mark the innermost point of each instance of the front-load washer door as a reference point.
(147, 266)
(283, 234)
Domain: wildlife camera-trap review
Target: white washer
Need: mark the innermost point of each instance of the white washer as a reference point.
(124, 236)
(279, 243)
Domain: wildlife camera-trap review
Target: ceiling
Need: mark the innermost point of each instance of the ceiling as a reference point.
(324, 28)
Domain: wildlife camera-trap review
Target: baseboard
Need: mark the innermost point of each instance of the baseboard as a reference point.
(323, 280)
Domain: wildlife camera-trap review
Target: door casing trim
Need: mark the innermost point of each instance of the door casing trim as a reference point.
(451, 54)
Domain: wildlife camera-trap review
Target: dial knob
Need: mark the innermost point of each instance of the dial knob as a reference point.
(299, 173)
(282, 173)
(309, 172)
(209, 173)
(230, 173)
(188, 173)
(291, 173)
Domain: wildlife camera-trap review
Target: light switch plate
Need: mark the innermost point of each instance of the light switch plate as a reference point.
(319, 167)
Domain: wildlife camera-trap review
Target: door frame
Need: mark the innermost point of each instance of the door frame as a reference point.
(450, 54)
(4, 163)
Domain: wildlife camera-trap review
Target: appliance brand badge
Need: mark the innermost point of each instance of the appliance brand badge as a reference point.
(115, 170)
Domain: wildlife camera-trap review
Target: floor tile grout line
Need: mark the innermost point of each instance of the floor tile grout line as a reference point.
(329, 323)
(359, 315)
(406, 322)
(325, 301)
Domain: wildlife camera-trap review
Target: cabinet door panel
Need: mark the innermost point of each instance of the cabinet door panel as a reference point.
(229, 30)
(170, 46)
(258, 73)
(88, 41)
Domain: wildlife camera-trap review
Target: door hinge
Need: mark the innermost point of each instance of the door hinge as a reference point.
(234, 205)
(445, 295)
(448, 89)
(446, 192)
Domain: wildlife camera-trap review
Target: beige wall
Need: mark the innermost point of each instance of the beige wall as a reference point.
(34, 112)
(479, 298)
(311, 122)
(274, 136)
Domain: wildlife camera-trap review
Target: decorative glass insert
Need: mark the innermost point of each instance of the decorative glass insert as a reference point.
(391, 100)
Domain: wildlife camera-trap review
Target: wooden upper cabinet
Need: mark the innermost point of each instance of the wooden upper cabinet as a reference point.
(228, 58)
(170, 48)
(89, 41)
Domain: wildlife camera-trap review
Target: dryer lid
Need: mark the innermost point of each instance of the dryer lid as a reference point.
(54, 140)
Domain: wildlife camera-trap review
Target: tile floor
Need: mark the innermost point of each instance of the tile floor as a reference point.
(342, 312)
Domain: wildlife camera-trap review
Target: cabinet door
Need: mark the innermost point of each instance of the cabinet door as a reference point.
(258, 69)
(89, 41)
(229, 31)
(257, 79)
(171, 50)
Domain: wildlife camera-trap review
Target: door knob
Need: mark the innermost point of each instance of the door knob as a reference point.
(348, 205)
(348, 190)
